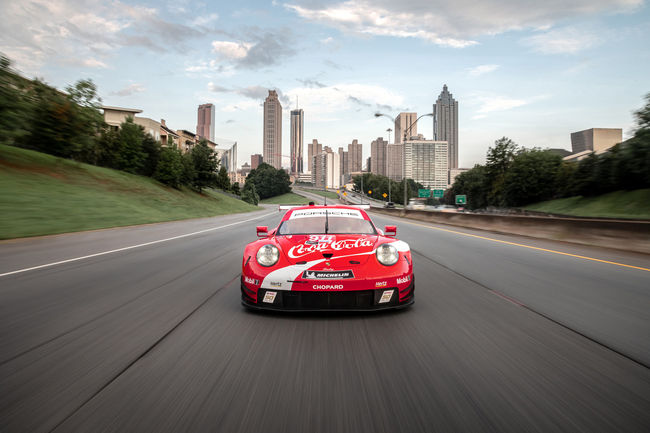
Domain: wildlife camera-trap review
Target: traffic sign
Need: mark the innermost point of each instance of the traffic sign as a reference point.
(385, 195)
(461, 199)
(370, 192)
(424, 193)
(438, 193)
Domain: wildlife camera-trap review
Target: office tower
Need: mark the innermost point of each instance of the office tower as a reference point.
(394, 161)
(595, 139)
(403, 122)
(272, 140)
(326, 170)
(354, 156)
(297, 128)
(205, 122)
(313, 149)
(426, 162)
(445, 123)
(256, 160)
(378, 156)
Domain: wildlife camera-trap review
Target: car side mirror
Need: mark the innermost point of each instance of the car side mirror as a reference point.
(390, 230)
(262, 231)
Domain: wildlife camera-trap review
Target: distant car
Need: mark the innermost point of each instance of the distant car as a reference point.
(327, 258)
(389, 205)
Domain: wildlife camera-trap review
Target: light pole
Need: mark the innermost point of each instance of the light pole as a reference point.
(389, 130)
(378, 114)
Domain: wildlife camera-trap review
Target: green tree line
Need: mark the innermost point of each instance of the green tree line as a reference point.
(70, 125)
(378, 184)
(514, 176)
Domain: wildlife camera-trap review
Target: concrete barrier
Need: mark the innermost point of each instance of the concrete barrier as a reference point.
(622, 235)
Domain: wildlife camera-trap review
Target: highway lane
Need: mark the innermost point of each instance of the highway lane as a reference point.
(154, 339)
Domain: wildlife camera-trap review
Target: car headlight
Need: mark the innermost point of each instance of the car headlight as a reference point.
(387, 254)
(268, 255)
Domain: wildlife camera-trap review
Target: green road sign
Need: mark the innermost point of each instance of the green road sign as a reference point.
(438, 193)
(424, 193)
(461, 199)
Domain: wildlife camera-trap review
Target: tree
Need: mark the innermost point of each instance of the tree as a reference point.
(249, 193)
(152, 150)
(205, 166)
(474, 184)
(132, 156)
(531, 177)
(169, 169)
(15, 110)
(269, 181)
(236, 189)
(499, 159)
(223, 181)
(189, 174)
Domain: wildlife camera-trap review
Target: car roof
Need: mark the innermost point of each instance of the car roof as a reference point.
(329, 207)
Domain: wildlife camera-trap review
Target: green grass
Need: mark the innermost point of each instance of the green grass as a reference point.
(288, 198)
(41, 194)
(619, 204)
(328, 194)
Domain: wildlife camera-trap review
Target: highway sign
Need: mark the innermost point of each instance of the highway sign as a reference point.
(424, 193)
(461, 199)
(438, 193)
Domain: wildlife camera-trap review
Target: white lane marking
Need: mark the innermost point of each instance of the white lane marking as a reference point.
(132, 246)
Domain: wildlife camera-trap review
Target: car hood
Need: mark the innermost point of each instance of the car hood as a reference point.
(307, 248)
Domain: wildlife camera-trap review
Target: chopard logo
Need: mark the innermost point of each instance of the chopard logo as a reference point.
(327, 275)
(328, 287)
(303, 249)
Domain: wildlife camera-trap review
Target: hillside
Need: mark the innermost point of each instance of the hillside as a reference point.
(41, 194)
(619, 204)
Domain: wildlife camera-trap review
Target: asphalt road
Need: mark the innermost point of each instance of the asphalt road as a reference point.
(153, 339)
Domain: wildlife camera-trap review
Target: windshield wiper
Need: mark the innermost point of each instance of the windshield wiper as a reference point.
(327, 222)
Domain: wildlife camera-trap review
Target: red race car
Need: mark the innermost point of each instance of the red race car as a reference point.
(327, 258)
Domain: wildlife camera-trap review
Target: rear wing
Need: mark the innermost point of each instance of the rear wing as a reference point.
(291, 206)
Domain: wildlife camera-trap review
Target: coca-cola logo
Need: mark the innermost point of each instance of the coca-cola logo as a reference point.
(305, 248)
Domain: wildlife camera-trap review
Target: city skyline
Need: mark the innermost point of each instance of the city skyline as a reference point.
(272, 130)
(531, 72)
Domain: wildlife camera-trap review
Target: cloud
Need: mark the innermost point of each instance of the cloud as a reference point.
(259, 49)
(327, 40)
(481, 69)
(84, 32)
(131, 89)
(562, 41)
(204, 20)
(258, 93)
(311, 83)
(453, 24)
(489, 103)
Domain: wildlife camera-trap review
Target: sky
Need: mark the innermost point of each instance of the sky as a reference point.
(529, 70)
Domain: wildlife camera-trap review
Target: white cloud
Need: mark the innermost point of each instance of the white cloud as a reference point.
(453, 24)
(562, 41)
(129, 90)
(93, 63)
(231, 50)
(327, 40)
(489, 103)
(481, 69)
(204, 20)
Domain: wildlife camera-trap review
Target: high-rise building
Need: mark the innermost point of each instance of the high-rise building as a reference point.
(344, 166)
(403, 122)
(313, 149)
(326, 170)
(256, 160)
(355, 161)
(272, 140)
(378, 156)
(595, 139)
(426, 162)
(445, 123)
(297, 128)
(229, 158)
(205, 122)
(394, 156)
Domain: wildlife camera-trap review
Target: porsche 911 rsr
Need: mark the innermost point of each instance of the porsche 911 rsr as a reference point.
(327, 258)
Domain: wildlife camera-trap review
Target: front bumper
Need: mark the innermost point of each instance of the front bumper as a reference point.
(352, 300)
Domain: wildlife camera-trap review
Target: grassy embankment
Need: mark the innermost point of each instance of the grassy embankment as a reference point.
(619, 204)
(328, 194)
(288, 198)
(41, 194)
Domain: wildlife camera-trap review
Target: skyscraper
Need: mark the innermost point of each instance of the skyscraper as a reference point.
(425, 161)
(354, 156)
(378, 156)
(394, 161)
(402, 123)
(256, 160)
(272, 140)
(445, 123)
(205, 122)
(297, 128)
(313, 149)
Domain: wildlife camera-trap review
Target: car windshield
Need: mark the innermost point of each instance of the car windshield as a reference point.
(336, 221)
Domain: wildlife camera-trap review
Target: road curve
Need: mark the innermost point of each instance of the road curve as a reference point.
(153, 338)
